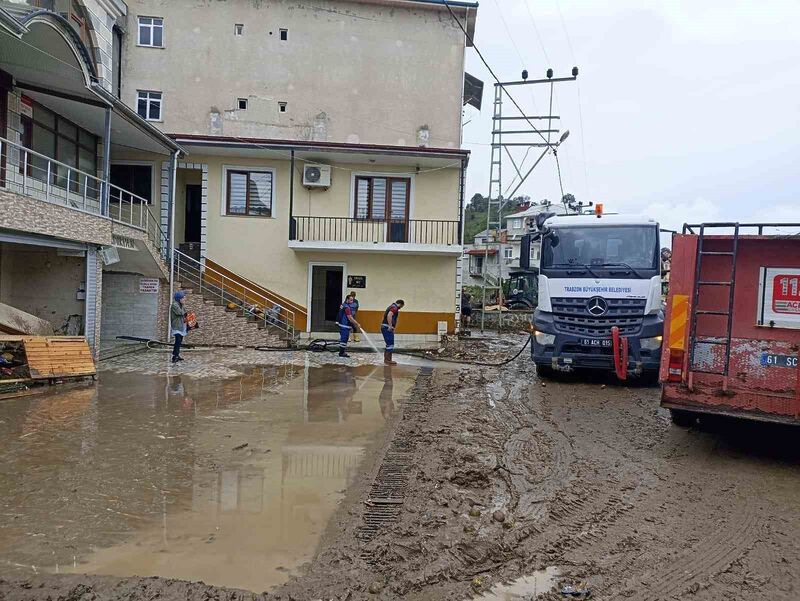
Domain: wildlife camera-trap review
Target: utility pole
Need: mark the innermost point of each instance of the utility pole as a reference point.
(493, 278)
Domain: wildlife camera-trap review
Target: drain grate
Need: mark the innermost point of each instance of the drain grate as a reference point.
(387, 493)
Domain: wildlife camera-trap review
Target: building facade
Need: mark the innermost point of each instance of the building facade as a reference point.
(64, 227)
(273, 155)
(323, 148)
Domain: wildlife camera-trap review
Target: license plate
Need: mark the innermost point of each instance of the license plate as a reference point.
(597, 342)
(770, 360)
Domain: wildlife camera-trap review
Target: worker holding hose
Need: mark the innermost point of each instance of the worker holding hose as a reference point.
(346, 323)
(388, 326)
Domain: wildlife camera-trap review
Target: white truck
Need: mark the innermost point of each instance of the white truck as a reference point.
(600, 301)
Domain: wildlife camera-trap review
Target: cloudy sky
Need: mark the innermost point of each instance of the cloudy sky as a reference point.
(690, 108)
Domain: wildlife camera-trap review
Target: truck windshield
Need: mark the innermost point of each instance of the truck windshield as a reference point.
(624, 247)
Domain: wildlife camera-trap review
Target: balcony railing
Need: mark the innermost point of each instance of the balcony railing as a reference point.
(347, 229)
(38, 176)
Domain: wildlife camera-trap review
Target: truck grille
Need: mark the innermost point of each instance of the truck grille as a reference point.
(571, 317)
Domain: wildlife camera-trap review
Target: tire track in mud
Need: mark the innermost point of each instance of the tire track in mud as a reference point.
(708, 558)
(535, 443)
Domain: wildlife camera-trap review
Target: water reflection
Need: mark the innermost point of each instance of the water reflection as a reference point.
(229, 481)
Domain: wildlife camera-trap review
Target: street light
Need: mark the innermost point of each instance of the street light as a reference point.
(563, 137)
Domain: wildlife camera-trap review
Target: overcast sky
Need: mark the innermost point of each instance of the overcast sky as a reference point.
(691, 108)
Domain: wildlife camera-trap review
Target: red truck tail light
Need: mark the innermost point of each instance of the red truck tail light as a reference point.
(675, 371)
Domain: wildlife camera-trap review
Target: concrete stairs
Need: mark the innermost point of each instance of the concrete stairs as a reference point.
(220, 325)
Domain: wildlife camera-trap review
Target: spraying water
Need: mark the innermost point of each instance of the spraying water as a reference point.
(369, 341)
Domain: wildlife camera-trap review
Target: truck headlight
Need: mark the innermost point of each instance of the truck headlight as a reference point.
(545, 339)
(651, 344)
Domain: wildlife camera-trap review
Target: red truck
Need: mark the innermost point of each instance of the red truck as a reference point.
(732, 323)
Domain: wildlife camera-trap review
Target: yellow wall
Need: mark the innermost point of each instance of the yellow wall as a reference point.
(257, 247)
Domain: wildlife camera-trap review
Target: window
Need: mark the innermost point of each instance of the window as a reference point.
(516, 224)
(284, 35)
(53, 136)
(238, 29)
(508, 252)
(249, 193)
(382, 198)
(282, 107)
(149, 105)
(151, 32)
(241, 103)
(132, 178)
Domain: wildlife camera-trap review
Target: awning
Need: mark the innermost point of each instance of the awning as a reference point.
(482, 251)
(50, 64)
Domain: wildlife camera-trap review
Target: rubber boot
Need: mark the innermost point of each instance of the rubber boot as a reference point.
(387, 358)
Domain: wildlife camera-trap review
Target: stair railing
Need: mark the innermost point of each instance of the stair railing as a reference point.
(209, 281)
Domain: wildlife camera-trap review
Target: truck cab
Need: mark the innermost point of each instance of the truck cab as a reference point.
(523, 289)
(599, 279)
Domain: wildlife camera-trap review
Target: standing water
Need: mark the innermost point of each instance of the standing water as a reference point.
(231, 481)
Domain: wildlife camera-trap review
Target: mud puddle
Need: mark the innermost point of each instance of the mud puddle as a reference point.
(525, 588)
(230, 481)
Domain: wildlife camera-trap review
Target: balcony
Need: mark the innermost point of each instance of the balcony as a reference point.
(409, 236)
(39, 177)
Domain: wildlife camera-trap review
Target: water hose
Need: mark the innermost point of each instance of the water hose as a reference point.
(321, 345)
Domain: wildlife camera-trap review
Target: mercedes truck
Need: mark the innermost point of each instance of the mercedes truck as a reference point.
(600, 304)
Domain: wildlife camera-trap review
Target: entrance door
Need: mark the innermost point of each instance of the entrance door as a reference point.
(194, 199)
(326, 297)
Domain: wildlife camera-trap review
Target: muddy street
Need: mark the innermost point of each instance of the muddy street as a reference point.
(352, 481)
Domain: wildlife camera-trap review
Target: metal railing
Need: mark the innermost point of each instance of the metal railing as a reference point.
(347, 229)
(33, 174)
(213, 284)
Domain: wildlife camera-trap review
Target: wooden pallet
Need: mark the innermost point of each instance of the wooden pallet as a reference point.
(57, 356)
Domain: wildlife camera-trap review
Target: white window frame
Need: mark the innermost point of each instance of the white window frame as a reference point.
(151, 26)
(239, 104)
(223, 209)
(236, 31)
(508, 252)
(516, 224)
(146, 93)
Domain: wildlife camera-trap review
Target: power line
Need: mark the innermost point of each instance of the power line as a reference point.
(491, 71)
(536, 29)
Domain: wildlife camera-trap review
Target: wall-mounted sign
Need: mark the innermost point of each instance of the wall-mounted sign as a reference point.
(148, 285)
(779, 297)
(26, 107)
(356, 281)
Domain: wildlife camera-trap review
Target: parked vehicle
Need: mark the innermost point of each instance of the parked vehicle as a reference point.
(600, 303)
(523, 290)
(733, 323)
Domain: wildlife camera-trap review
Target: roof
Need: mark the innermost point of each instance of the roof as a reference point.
(595, 221)
(272, 143)
(535, 210)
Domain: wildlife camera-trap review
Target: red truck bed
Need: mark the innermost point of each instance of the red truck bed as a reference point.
(733, 349)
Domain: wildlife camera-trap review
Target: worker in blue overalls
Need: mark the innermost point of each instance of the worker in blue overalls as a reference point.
(346, 323)
(388, 326)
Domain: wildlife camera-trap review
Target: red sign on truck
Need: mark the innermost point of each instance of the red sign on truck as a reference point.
(786, 293)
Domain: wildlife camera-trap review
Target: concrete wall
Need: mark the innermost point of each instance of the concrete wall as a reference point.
(126, 311)
(358, 71)
(40, 282)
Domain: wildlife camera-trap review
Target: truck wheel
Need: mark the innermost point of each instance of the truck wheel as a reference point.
(682, 418)
(545, 372)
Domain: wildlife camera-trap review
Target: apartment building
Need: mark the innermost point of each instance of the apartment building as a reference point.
(322, 149)
(286, 153)
(78, 254)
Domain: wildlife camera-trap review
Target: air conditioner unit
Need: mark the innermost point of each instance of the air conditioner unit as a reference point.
(109, 255)
(317, 176)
